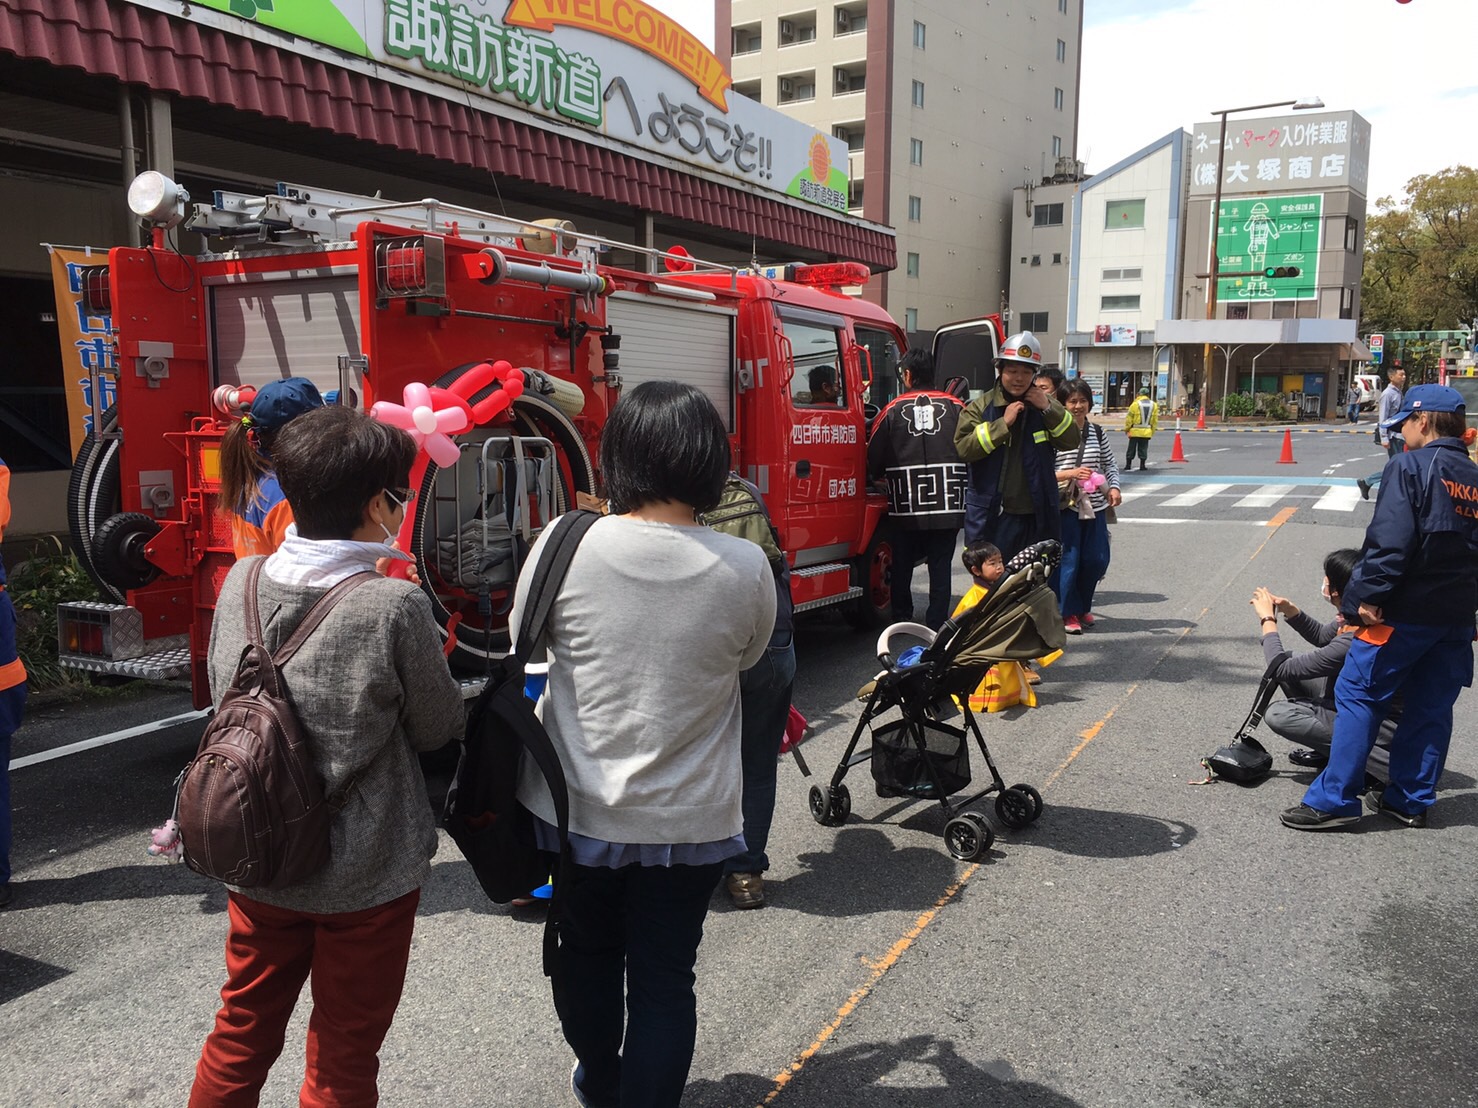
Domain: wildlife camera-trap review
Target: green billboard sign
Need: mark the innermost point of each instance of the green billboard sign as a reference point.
(1258, 233)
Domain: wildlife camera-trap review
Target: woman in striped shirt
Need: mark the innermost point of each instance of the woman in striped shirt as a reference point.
(1085, 541)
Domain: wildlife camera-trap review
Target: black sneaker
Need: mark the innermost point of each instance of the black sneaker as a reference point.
(1375, 802)
(1304, 818)
(1364, 487)
(1313, 759)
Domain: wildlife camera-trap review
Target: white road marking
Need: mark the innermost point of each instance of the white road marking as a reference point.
(1195, 496)
(105, 740)
(1340, 498)
(1182, 519)
(1336, 465)
(1219, 449)
(1134, 492)
(1264, 497)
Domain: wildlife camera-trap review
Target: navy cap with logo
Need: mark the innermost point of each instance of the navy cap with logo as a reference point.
(1426, 398)
(278, 402)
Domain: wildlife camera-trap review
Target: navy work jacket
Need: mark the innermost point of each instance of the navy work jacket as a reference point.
(1419, 563)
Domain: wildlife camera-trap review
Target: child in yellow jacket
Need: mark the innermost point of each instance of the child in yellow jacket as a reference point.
(1005, 684)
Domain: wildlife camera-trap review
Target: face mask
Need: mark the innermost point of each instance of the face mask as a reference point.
(1324, 590)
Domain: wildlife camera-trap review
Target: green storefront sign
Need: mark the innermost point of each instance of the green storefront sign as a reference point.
(1263, 232)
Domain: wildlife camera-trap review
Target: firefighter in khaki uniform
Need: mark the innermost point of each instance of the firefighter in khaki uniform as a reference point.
(12, 694)
(1141, 422)
(1010, 438)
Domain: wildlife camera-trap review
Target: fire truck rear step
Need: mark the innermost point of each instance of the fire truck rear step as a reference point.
(822, 585)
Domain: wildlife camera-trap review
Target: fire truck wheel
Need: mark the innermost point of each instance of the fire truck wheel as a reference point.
(94, 494)
(873, 573)
(118, 550)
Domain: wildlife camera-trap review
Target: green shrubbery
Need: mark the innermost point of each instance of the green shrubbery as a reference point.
(37, 586)
(1237, 404)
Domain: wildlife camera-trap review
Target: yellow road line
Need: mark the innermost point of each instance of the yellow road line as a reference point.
(880, 968)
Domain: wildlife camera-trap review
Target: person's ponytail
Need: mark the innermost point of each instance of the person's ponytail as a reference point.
(242, 467)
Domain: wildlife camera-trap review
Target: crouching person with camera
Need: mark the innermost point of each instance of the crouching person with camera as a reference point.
(368, 688)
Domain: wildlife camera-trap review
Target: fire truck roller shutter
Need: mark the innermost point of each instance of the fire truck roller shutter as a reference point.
(666, 340)
(287, 327)
(93, 495)
(477, 637)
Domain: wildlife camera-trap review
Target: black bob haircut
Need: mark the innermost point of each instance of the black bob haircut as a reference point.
(920, 365)
(331, 462)
(977, 553)
(1338, 566)
(1076, 387)
(664, 441)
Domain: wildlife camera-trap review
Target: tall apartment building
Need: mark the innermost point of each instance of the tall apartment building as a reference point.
(945, 106)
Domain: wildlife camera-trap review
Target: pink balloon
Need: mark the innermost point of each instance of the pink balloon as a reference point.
(393, 414)
(451, 421)
(444, 452)
(417, 395)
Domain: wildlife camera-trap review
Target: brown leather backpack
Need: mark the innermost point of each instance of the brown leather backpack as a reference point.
(252, 811)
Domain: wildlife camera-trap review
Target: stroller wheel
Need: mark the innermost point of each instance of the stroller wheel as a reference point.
(1014, 808)
(830, 808)
(968, 836)
(1036, 798)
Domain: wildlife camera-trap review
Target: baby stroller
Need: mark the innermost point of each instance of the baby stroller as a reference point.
(918, 755)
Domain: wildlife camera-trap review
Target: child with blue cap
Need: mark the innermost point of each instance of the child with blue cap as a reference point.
(1414, 594)
(260, 514)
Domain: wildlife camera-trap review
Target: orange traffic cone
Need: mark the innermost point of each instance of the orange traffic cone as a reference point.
(1177, 452)
(1201, 419)
(1286, 458)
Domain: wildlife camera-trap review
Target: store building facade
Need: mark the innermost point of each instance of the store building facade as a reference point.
(608, 114)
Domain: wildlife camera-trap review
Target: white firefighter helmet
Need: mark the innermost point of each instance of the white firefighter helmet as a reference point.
(1022, 347)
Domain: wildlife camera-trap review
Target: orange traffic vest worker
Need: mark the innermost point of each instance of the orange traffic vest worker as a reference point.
(12, 693)
(260, 514)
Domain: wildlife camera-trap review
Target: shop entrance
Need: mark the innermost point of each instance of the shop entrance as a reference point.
(33, 404)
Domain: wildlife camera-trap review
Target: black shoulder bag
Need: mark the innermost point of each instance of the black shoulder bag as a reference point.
(483, 815)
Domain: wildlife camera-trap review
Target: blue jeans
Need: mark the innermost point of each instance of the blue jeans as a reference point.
(12, 706)
(631, 933)
(764, 701)
(937, 548)
(1085, 561)
(1429, 666)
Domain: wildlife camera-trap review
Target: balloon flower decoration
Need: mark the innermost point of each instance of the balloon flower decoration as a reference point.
(432, 415)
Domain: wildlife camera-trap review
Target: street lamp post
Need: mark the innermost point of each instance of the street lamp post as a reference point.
(1213, 261)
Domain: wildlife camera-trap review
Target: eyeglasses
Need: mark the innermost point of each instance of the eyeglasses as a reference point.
(402, 498)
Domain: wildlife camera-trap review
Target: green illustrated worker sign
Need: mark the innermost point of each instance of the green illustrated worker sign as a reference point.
(1258, 233)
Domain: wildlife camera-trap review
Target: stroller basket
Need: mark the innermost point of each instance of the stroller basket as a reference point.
(901, 768)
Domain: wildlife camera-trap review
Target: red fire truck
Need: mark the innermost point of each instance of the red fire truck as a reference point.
(364, 296)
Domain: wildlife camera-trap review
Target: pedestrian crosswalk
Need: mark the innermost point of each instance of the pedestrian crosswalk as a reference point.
(1234, 497)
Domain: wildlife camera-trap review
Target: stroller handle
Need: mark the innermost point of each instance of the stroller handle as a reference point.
(916, 630)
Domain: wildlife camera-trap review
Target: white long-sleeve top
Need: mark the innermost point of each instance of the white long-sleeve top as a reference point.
(1098, 455)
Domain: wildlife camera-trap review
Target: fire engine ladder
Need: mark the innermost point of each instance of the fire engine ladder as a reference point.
(318, 215)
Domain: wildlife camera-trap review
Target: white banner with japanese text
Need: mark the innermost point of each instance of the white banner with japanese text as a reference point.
(1324, 150)
(617, 67)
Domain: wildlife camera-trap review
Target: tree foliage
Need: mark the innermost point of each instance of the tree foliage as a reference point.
(1421, 256)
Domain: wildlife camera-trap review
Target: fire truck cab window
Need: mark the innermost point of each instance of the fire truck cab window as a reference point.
(818, 380)
(883, 351)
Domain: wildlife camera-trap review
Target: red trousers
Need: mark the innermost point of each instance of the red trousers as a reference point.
(357, 963)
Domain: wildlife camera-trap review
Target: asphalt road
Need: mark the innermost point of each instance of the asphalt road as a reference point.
(1149, 942)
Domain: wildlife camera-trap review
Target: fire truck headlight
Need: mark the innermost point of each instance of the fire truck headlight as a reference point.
(156, 199)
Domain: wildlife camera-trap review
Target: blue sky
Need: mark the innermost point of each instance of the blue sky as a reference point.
(1150, 66)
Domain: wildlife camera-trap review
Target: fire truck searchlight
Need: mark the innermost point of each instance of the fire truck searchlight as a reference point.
(157, 200)
(524, 323)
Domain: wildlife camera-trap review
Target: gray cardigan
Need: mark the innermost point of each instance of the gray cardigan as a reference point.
(371, 687)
